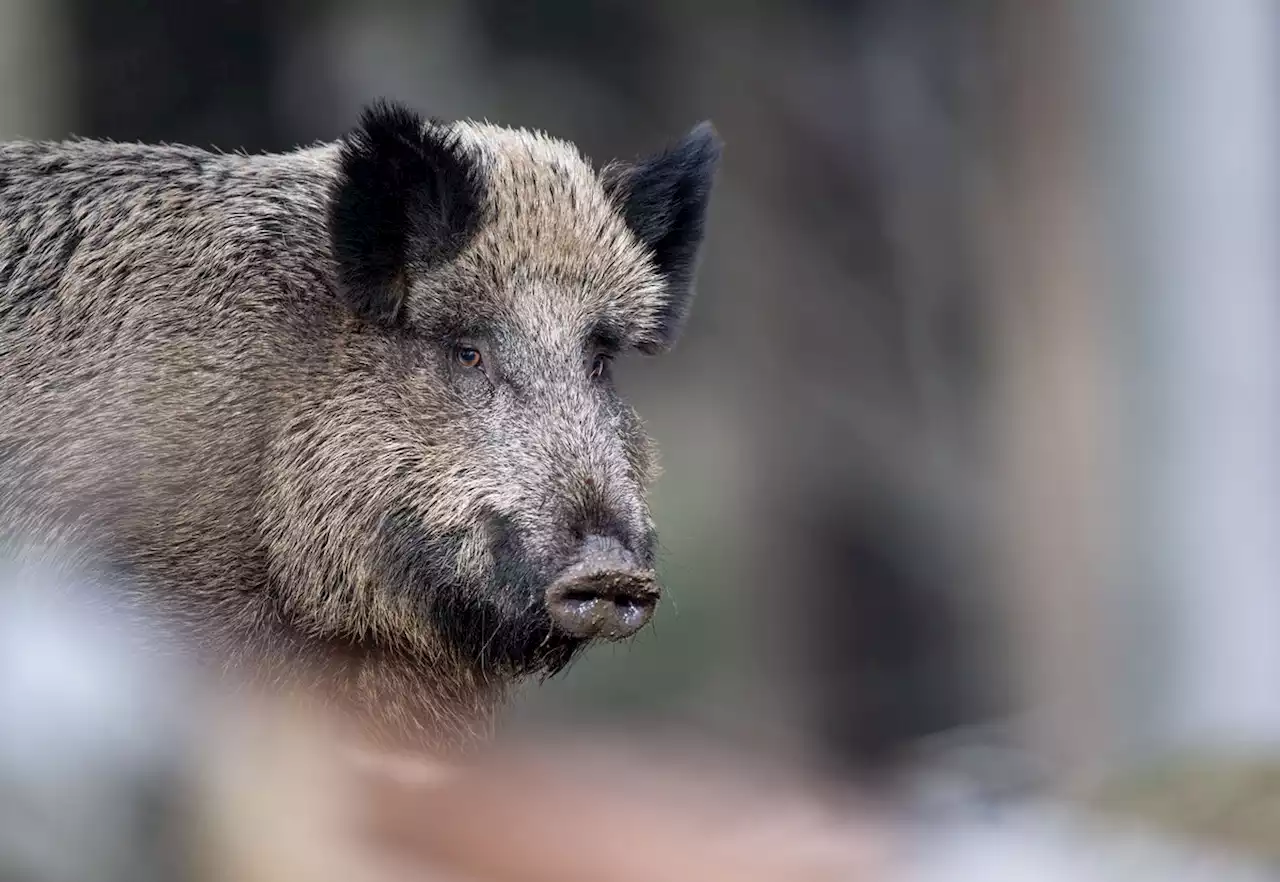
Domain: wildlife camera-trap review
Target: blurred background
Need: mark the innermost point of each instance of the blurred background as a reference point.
(972, 446)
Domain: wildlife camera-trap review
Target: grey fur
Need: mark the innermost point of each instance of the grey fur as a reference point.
(189, 400)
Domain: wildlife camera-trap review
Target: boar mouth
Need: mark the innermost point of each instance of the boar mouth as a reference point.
(604, 595)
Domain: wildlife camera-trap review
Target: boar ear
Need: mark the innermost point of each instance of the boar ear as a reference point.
(407, 197)
(664, 201)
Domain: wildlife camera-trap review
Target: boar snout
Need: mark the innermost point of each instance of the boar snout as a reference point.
(605, 593)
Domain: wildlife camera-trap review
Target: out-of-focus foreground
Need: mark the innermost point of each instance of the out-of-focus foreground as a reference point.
(972, 447)
(112, 768)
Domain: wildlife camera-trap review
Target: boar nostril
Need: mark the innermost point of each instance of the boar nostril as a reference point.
(604, 593)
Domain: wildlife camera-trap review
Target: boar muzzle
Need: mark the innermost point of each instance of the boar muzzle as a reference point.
(604, 594)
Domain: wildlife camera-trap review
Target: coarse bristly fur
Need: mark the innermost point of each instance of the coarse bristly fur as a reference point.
(341, 414)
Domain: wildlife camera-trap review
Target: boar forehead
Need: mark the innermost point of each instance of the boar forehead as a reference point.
(553, 260)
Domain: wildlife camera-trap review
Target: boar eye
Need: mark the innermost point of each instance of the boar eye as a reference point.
(467, 356)
(599, 365)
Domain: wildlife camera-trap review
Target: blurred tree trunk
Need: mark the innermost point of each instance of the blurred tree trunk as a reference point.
(1050, 414)
(1187, 101)
(35, 68)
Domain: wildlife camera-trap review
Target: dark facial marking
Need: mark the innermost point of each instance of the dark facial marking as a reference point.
(413, 560)
(500, 626)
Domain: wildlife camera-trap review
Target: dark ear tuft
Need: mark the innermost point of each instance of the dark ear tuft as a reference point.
(407, 197)
(664, 200)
